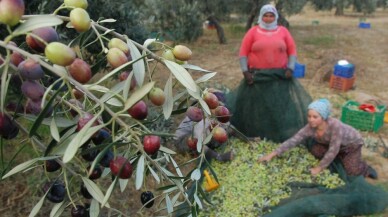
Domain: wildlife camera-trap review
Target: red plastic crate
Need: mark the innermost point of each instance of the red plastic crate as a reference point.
(341, 83)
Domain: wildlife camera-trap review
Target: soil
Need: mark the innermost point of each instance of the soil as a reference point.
(322, 39)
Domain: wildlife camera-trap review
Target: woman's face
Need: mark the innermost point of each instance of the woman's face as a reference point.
(268, 17)
(314, 118)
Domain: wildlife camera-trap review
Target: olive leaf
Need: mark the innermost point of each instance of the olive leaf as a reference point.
(169, 104)
(21, 167)
(154, 174)
(54, 130)
(204, 106)
(96, 87)
(123, 184)
(140, 172)
(94, 209)
(200, 144)
(194, 67)
(94, 190)
(178, 171)
(166, 150)
(169, 206)
(148, 42)
(58, 209)
(114, 91)
(4, 85)
(60, 121)
(81, 137)
(138, 95)
(182, 75)
(36, 22)
(127, 85)
(205, 77)
(114, 71)
(196, 175)
(107, 21)
(138, 66)
(109, 191)
(175, 198)
(43, 113)
(115, 102)
(198, 201)
(37, 206)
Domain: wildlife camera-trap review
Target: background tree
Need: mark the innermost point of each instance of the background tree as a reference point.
(364, 6)
(130, 19)
(176, 20)
(382, 3)
(285, 8)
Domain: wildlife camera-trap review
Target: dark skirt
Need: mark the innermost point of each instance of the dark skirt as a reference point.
(274, 107)
(350, 156)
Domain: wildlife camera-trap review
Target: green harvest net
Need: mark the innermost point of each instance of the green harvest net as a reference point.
(357, 197)
(274, 107)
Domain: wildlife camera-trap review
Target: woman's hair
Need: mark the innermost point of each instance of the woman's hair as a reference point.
(322, 106)
(268, 9)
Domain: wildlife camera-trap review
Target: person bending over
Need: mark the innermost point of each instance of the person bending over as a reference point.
(188, 128)
(332, 139)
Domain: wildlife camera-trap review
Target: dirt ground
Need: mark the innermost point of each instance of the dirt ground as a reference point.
(319, 47)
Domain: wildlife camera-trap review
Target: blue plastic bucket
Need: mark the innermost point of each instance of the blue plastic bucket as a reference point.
(299, 70)
(364, 25)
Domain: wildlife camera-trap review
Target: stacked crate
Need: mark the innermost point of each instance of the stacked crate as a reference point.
(343, 77)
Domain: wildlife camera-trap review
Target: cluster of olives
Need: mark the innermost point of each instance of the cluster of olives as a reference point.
(34, 76)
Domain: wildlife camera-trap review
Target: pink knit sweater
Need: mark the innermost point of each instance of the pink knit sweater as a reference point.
(267, 49)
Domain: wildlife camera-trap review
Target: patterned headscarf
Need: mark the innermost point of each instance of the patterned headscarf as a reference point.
(266, 9)
(322, 106)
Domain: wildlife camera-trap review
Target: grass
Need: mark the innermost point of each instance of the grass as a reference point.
(323, 41)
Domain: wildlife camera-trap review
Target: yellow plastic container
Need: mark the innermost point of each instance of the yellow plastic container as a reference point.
(210, 183)
(386, 117)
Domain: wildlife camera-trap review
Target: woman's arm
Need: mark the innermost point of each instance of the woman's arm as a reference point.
(336, 132)
(298, 138)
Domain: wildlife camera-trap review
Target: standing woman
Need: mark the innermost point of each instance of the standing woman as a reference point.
(269, 103)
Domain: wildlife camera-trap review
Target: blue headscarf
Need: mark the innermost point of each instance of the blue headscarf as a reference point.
(322, 106)
(266, 9)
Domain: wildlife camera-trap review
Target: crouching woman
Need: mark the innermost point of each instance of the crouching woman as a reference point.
(332, 139)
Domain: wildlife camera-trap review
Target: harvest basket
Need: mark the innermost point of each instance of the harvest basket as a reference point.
(363, 120)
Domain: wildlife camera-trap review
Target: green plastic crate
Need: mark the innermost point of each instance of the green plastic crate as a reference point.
(362, 120)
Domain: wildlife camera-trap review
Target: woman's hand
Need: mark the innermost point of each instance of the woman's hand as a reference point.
(248, 77)
(316, 170)
(267, 157)
(288, 73)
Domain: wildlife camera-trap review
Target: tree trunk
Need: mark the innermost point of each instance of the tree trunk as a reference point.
(339, 8)
(251, 17)
(220, 30)
(281, 20)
